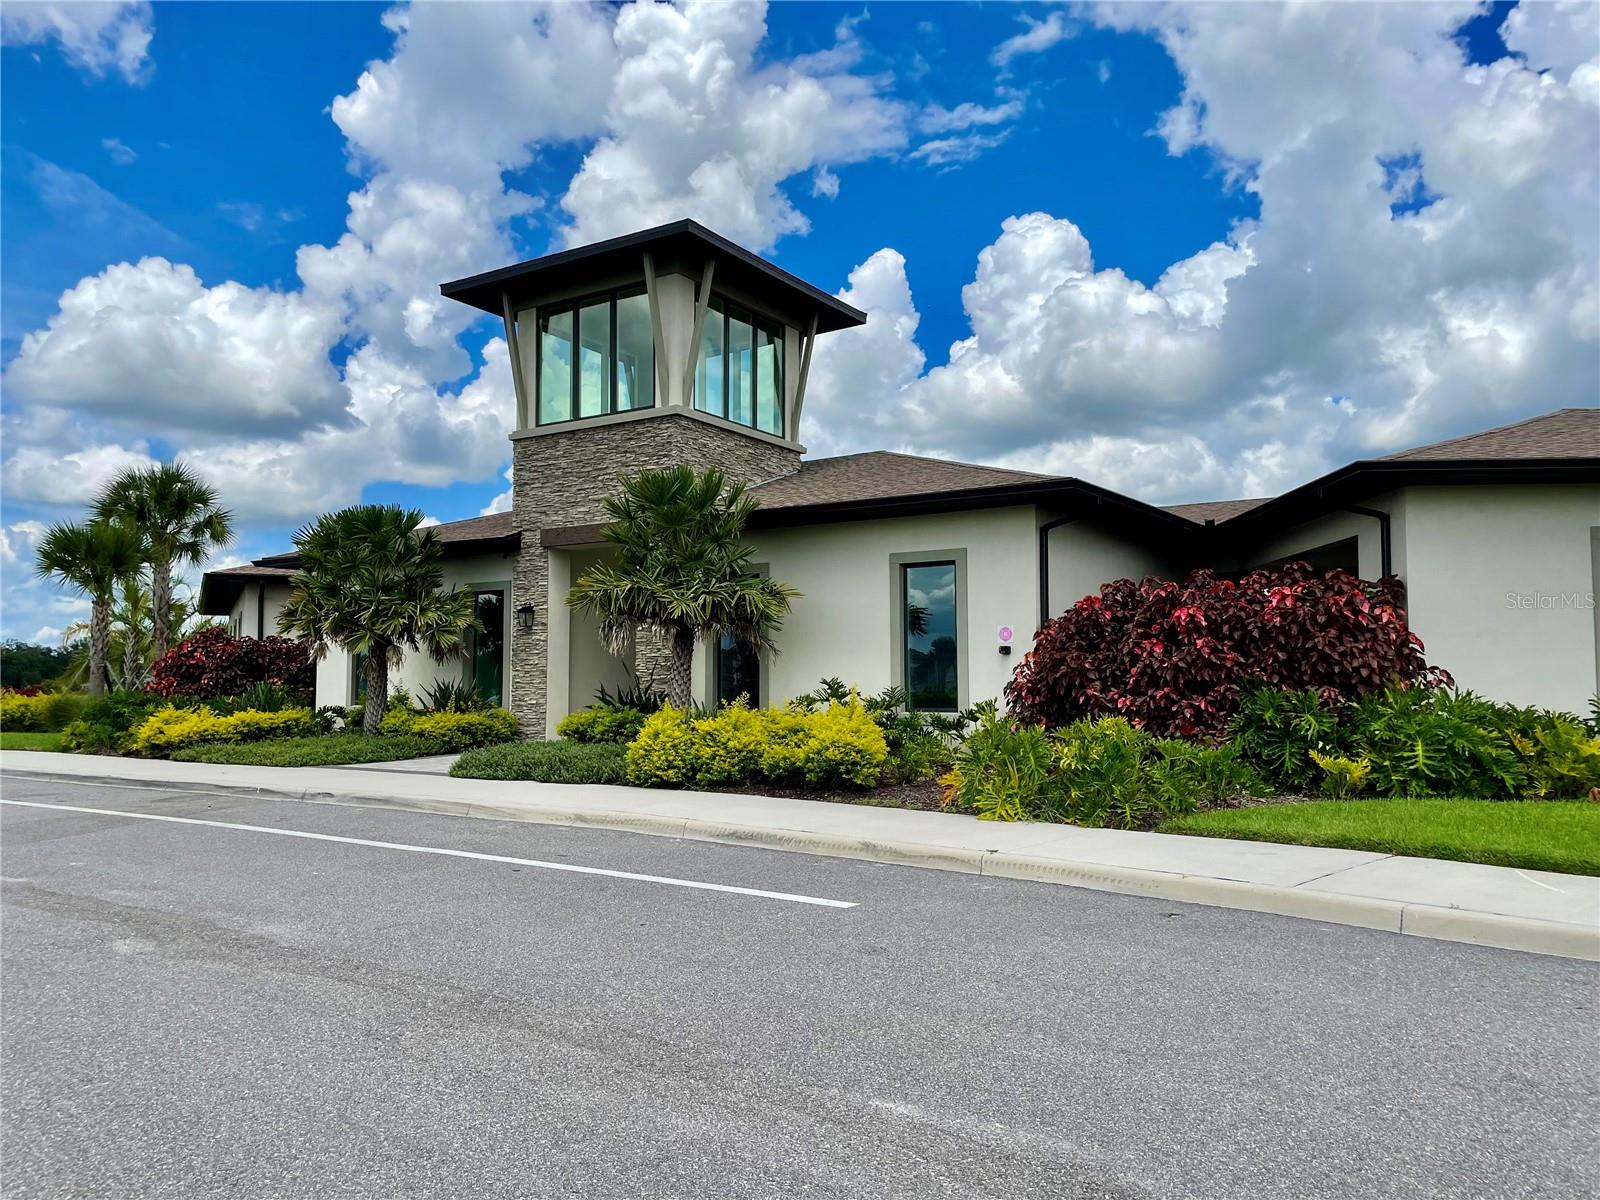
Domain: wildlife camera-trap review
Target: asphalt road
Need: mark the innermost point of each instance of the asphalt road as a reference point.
(199, 1011)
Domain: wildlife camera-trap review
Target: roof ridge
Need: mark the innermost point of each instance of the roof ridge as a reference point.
(958, 462)
(1481, 433)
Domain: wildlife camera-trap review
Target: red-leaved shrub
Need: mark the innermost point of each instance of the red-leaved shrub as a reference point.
(1171, 657)
(215, 663)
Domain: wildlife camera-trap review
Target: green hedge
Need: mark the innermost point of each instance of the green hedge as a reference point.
(599, 724)
(332, 750)
(545, 762)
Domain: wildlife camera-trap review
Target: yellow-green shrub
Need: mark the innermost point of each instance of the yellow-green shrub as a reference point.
(844, 745)
(44, 713)
(1342, 777)
(663, 753)
(20, 714)
(170, 729)
(839, 746)
(449, 732)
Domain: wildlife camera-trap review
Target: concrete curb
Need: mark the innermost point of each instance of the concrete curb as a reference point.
(1393, 916)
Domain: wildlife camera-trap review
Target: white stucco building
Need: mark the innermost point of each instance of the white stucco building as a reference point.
(676, 346)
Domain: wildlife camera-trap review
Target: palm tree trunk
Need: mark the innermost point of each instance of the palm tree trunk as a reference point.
(99, 644)
(680, 683)
(132, 665)
(377, 673)
(161, 607)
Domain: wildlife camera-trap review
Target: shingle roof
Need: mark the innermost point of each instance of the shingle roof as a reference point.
(1214, 510)
(252, 571)
(881, 475)
(476, 529)
(492, 527)
(1565, 433)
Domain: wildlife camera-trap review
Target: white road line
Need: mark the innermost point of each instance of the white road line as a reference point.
(497, 858)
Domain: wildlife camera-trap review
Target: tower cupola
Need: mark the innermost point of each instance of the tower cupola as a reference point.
(674, 320)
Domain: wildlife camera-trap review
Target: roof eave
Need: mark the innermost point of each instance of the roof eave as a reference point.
(1067, 491)
(1364, 478)
(484, 290)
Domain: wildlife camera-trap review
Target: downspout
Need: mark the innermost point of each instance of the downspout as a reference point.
(1044, 564)
(1385, 537)
(261, 611)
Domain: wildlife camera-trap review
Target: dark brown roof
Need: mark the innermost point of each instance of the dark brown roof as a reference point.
(881, 475)
(477, 529)
(496, 531)
(687, 241)
(252, 571)
(220, 588)
(1213, 510)
(1565, 433)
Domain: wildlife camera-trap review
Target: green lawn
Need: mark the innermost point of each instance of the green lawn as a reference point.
(29, 741)
(1535, 834)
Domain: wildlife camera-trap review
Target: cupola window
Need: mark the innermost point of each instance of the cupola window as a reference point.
(596, 357)
(739, 369)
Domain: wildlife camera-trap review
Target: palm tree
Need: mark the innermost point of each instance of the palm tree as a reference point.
(131, 625)
(681, 568)
(95, 559)
(176, 512)
(371, 583)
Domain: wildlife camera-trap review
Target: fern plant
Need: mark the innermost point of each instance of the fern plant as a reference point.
(1435, 742)
(1277, 731)
(1561, 760)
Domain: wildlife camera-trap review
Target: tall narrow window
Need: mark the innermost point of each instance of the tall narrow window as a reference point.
(741, 367)
(709, 371)
(596, 357)
(928, 593)
(636, 366)
(487, 644)
(555, 367)
(769, 379)
(738, 672)
(594, 364)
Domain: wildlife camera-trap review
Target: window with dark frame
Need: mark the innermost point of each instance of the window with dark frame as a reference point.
(595, 356)
(738, 671)
(738, 373)
(930, 664)
(486, 645)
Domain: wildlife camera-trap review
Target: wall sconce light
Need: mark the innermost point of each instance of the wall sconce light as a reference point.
(525, 618)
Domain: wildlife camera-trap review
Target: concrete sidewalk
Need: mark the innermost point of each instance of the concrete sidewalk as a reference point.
(1537, 911)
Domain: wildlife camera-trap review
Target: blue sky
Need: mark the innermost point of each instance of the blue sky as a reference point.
(238, 163)
(1189, 250)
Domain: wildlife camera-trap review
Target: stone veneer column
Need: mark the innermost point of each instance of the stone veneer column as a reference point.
(562, 478)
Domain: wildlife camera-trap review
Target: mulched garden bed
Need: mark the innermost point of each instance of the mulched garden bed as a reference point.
(923, 796)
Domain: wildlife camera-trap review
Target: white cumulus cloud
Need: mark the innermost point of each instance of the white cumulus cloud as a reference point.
(98, 37)
(1424, 264)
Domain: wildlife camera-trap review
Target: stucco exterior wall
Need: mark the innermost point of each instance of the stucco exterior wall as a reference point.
(1335, 527)
(841, 626)
(590, 665)
(1082, 557)
(253, 618)
(1500, 584)
(336, 683)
